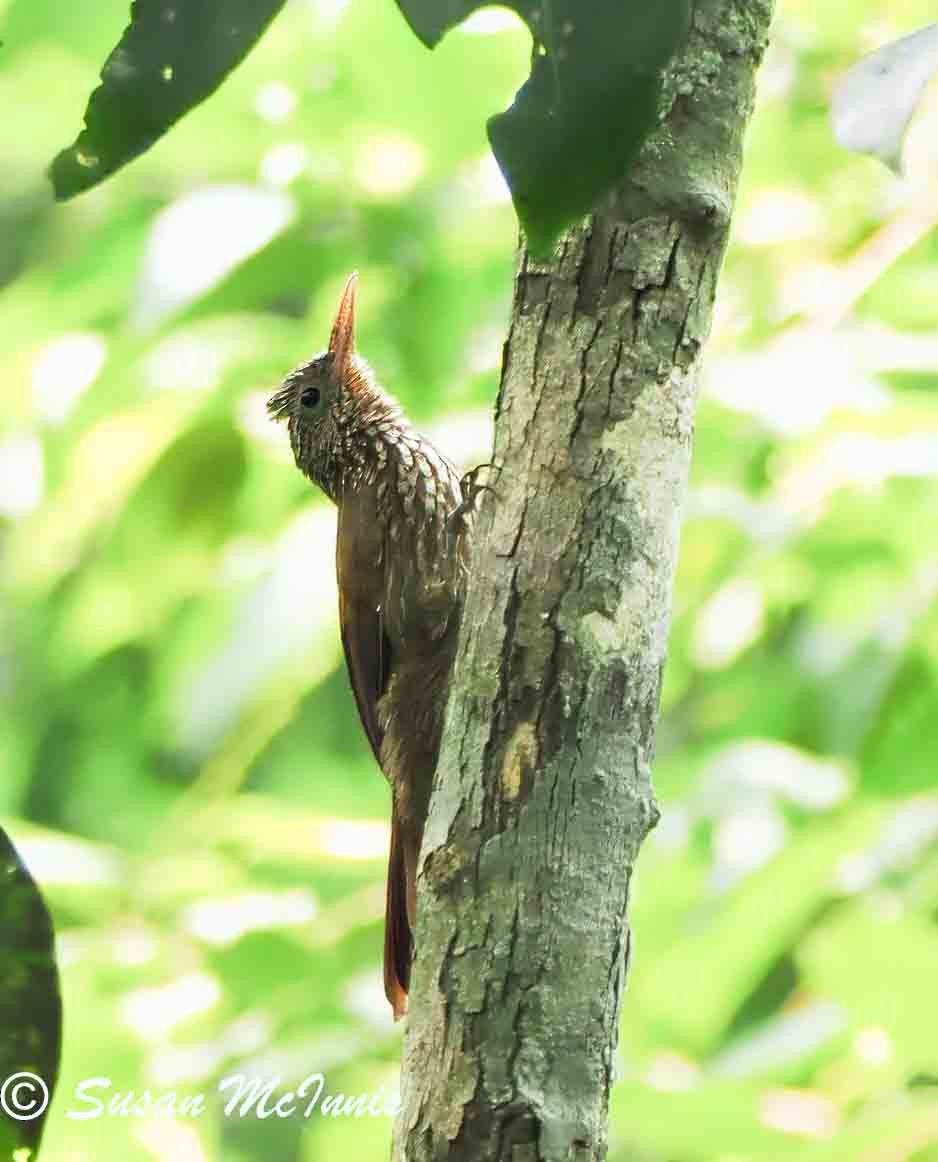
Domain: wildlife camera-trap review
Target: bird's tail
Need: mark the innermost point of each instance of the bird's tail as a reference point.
(399, 917)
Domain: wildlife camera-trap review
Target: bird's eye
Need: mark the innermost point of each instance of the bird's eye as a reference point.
(310, 397)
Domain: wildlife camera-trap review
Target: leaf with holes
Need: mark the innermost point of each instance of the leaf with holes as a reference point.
(173, 54)
(583, 114)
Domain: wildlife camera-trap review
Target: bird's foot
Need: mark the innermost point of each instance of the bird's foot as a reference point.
(472, 488)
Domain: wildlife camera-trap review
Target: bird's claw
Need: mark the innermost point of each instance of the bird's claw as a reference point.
(470, 483)
(472, 490)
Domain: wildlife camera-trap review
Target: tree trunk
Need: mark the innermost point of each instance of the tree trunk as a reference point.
(543, 793)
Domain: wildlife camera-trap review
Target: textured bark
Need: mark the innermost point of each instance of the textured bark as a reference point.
(543, 792)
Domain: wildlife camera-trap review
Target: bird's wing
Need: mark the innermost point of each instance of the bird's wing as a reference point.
(360, 571)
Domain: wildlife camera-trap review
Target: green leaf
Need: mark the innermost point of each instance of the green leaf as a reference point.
(580, 119)
(30, 1006)
(898, 757)
(172, 56)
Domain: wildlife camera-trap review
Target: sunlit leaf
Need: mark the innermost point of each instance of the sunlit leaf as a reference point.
(875, 101)
(899, 754)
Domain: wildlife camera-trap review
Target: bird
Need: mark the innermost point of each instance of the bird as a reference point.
(402, 544)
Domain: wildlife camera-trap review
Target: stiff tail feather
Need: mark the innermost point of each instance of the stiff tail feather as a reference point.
(398, 919)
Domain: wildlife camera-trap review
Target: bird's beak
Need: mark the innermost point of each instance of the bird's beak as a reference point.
(342, 340)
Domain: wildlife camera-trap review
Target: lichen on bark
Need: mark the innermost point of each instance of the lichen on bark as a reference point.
(543, 794)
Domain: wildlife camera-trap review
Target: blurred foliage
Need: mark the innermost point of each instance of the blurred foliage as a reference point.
(182, 768)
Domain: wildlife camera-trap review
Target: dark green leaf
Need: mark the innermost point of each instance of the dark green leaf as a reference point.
(580, 119)
(432, 19)
(30, 1006)
(172, 56)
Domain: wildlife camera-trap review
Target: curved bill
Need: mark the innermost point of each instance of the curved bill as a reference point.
(342, 340)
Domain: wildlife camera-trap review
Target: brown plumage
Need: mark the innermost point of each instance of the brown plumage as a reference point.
(400, 561)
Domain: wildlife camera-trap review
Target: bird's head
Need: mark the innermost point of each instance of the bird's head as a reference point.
(328, 402)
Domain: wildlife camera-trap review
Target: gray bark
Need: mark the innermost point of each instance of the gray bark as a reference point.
(543, 793)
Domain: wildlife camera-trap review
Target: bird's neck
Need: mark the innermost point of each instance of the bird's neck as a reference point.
(369, 429)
